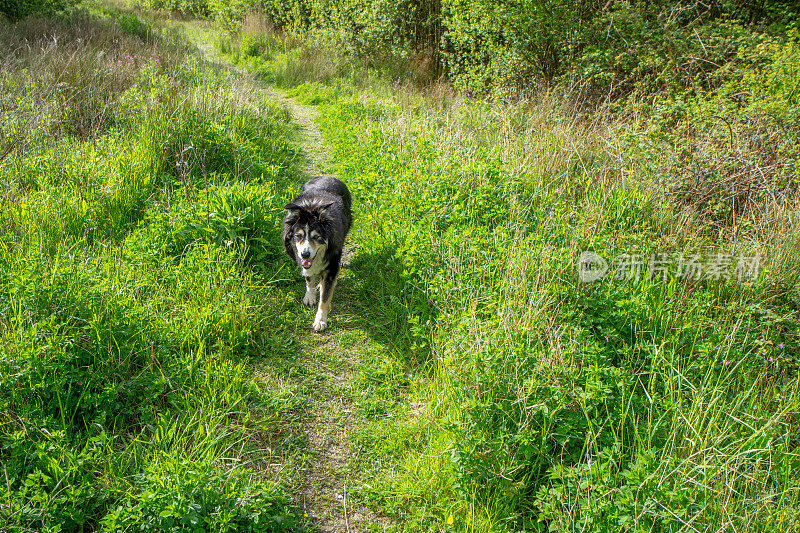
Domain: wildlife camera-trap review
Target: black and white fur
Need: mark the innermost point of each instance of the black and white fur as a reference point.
(314, 228)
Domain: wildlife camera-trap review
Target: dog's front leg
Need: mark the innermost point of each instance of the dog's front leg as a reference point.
(310, 297)
(326, 295)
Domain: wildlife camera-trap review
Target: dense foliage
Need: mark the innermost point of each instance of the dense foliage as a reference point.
(637, 404)
(137, 194)
(17, 9)
(484, 45)
(718, 80)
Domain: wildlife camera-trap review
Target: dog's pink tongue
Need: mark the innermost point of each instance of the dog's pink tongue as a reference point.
(307, 263)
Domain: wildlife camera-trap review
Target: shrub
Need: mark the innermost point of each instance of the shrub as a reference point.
(506, 45)
(18, 9)
(196, 7)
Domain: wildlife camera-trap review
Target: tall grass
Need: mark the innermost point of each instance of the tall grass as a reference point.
(626, 405)
(541, 403)
(140, 282)
(138, 244)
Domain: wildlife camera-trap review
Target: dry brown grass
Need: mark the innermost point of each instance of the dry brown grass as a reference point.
(62, 77)
(256, 23)
(735, 178)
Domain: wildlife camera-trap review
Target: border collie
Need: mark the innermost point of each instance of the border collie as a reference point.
(314, 228)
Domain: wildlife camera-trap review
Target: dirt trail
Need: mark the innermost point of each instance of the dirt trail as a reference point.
(332, 361)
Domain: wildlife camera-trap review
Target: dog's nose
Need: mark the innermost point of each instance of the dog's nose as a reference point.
(305, 254)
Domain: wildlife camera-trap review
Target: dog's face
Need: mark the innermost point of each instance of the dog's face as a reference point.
(305, 234)
(309, 244)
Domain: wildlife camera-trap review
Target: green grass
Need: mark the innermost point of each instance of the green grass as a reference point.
(524, 400)
(156, 370)
(142, 279)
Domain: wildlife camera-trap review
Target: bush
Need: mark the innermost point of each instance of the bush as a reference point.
(606, 48)
(18, 9)
(195, 7)
(506, 45)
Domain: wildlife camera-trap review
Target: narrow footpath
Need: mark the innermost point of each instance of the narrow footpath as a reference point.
(331, 360)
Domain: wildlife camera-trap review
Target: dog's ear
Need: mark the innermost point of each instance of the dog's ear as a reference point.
(292, 207)
(323, 208)
(287, 236)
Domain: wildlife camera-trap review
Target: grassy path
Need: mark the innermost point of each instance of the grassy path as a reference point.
(325, 370)
(312, 145)
(158, 372)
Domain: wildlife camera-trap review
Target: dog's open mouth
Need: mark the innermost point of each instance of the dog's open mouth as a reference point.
(307, 262)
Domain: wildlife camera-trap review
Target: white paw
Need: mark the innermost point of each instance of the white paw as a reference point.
(310, 299)
(320, 325)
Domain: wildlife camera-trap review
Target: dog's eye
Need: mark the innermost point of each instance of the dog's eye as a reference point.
(317, 238)
(298, 237)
